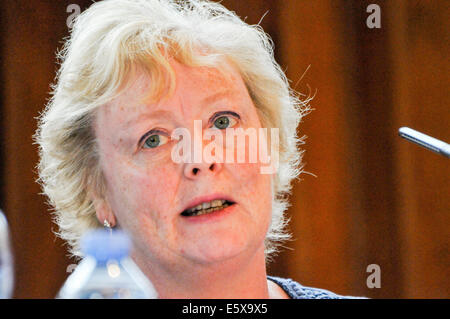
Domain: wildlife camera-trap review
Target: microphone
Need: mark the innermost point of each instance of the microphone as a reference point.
(426, 141)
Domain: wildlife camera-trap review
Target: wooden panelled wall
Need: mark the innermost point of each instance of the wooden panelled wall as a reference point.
(374, 199)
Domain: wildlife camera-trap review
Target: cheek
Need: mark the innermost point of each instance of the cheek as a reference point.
(255, 187)
(249, 172)
(141, 191)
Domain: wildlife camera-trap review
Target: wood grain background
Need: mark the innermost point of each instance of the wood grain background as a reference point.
(376, 199)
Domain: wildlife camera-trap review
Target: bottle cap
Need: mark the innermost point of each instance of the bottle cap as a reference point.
(105, 245)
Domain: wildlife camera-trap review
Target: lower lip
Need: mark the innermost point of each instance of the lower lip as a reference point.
(210, 217)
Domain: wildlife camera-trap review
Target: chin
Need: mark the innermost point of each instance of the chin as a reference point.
(221, 247)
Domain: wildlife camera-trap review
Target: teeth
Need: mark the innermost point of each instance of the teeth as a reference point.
(206, 205)
(209, 210)
(206, 208)
(217, 202)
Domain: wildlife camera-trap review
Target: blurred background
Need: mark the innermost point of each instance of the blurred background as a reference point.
(375, 198)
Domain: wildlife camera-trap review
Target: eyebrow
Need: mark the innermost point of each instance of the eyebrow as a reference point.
(217, 96)
(146, 116)
(225, 93)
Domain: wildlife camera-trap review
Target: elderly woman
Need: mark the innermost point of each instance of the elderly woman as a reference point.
(132, 73)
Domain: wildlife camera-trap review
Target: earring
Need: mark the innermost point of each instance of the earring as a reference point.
(107, 226)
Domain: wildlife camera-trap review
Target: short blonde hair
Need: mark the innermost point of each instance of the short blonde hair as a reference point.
(108, 43)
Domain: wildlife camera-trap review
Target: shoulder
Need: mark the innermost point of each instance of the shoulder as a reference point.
(297, 291)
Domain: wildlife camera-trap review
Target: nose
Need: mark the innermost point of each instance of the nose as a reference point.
(196, 170)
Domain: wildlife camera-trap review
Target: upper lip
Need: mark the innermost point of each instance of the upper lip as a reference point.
(207, 198)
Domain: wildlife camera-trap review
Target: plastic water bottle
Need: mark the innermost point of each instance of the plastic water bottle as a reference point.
(6, 264)
(107, 271)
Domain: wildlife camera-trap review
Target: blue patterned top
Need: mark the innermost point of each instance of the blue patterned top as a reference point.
(297, 291)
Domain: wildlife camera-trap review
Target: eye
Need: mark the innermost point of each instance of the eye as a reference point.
(224, 121)
(154, 140)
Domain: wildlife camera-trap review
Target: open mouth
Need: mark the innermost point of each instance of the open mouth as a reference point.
(207, 207)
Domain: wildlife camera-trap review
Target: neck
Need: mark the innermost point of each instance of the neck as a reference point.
(236, 278)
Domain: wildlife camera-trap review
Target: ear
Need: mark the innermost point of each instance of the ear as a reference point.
(103, 210)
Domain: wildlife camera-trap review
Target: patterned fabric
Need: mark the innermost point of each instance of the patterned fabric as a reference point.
(297, 291)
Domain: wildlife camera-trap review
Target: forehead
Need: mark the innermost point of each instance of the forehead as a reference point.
(192, 85)
(223, 76)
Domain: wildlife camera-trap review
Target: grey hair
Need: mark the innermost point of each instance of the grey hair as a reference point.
(108, 43)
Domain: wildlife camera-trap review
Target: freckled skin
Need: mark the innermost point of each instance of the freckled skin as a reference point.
(146, 191)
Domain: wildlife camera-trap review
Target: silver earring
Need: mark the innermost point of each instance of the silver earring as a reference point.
(107, 226)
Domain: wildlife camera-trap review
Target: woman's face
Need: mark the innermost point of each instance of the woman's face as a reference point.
(147, 191)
